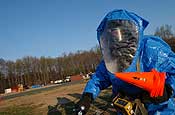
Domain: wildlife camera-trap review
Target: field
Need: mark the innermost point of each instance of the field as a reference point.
(61, 99)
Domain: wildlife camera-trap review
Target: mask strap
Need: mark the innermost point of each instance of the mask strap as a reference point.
(138, 65)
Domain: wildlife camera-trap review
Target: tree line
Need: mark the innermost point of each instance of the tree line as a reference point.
(31, 70)
(167, 34)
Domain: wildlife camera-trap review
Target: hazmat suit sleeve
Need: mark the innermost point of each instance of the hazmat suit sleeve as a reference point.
(161, 57)
(99, 81)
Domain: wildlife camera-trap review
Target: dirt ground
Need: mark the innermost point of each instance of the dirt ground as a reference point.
(62, 98)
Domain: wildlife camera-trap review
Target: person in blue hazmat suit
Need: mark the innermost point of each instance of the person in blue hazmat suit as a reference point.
(125, 48)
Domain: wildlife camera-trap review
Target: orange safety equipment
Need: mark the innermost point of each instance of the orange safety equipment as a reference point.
(153, 81)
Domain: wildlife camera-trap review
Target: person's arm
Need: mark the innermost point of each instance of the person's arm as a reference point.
(166, 63)
(99, 81)
(162, 58)
(168, 66)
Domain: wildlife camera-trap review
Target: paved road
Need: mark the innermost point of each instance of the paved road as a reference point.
(36, 90)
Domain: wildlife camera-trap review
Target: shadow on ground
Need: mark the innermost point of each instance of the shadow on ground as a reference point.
(65, 106)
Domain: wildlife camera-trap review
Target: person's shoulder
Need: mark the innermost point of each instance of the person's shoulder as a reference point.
(155, 41)
(101, 68)
(153, 38)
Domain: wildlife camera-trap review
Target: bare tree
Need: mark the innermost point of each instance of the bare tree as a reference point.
(164, 31)
(31, 70)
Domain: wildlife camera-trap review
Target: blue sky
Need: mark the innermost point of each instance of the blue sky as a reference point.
(52, 27)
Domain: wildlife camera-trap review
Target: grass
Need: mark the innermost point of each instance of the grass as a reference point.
(17, 110)
(64, 107)
(101, 106)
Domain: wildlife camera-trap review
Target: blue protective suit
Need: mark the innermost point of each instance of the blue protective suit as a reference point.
(152, 52)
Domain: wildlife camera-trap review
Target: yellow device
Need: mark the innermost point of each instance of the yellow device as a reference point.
(124, 105)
